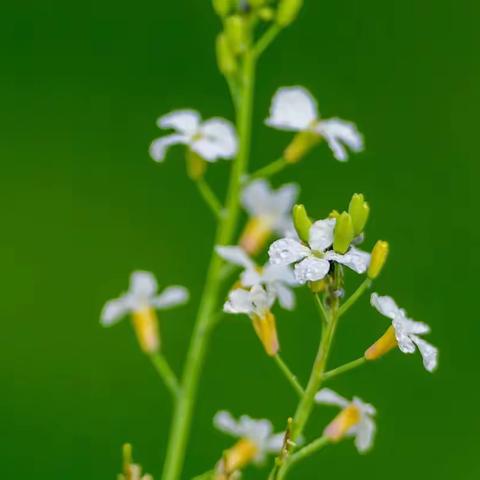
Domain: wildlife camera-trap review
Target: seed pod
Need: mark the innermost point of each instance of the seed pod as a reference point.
(236, 32)
(225, 57)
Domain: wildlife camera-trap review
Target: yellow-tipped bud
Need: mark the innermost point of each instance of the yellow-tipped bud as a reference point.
(222, 7)
(383, 345)
(302, 222)
(236, 32)
(236, 458)
(225, 57)
(266, 329)
(378, 259)
(287, 11)
(334, 214)
(196, 165)
(342, 423)
(301, 144)
(266, 14)
(343, 235)
(255, 235)
(359, 211)
(145, 324)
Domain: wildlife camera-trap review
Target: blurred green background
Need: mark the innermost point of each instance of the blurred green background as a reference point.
(82, 84)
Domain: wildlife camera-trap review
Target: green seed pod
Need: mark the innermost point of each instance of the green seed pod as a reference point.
(222, 7)
(302, 222)
(359, 211)
(225, 57)
(343, 235)
(287, 11)
(236, 31)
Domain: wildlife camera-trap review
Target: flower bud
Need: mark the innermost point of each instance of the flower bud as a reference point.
(145, 324)
(378, 259)
(383, 345)
(266, 329)
(255, 235)
(301, 144)
(333, 214)
(287, 11)
(196, 165)
(236, 458)
(256, 3)
(342, 423)
(266, 14)
(222, 7)
(302, 222)
(225, 57)
(343, 235)
(236, 32)
(358, 210)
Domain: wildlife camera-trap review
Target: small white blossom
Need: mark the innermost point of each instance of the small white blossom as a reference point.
(407, 331)
(254, 302)
(142, 294)
(312, 261)
(260, 432)
(277, 279)
(212, 139)
(295, 109)
(364, 428)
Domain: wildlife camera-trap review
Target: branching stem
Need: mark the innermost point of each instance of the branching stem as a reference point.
(270, 169)
(210, 198)
(365, 285)
(166, 373)
(292, 378)
(344, 368)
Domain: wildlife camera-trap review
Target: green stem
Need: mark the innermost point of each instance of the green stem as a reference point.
(306, 451)
(344, 368)
(182, 416)
(321, 307)
(292, 379)
(270, 169)
(365, 285)
(166, 373)
(265, 40)
(210, 198)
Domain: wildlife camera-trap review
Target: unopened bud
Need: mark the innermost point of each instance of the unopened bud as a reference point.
(301, 144)
(196, 165)
(334, 214)
(378, 259)
(302, 222)
(256, 3)
(342, 423)
(343, 235)
(225, 57)
(145, 324)
(287, 11)
(266, 14)
(358, 210)
(387, 342)
(222, 7)
(236, 31)
(266, 329)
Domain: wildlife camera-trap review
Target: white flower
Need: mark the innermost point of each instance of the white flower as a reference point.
(142, 294)
(407, 330)
(354, 421)
(212, 139)
(294, 109)
(254, 302)
(312, 262)
(259, 432)
(271, 207)
(277, 279)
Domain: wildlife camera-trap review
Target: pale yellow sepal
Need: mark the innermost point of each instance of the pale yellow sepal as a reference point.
(255, 235)
(196, 165)
(383, 345)
(266, 329)
(236, 458)
(301, 144)
(342, 423)
(145, 323)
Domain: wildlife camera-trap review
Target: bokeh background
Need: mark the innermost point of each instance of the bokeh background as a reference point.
(83, 205)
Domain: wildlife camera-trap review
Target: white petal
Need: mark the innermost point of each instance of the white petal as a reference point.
(142, 284)
(261, 299)
(355, 259)
(285, 296)
(185, 122)
(286, 251)
(278, 273)
(321, 234)
(405, 343)
(385, 305)
(327, 396)
(217, 139)
(365, 432)
(429, 353)
(275, 443)
(170, 297)
(255, 196)
(239, 301)
(283, 201)
(224, 422)
(337, 133)
(250, 277)
(159, 147)
(292, 108)
(311, 269)
(413, 327)
(114, 310)
(235, 255)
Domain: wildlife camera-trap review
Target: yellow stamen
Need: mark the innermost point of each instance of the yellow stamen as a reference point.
(266, 329)
(383, 345)
(342, 423)
(145, 323)
(255, 235)
(236, 458)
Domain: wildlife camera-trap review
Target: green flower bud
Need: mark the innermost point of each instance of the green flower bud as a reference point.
(236, 31)
(287, 11)
(225, 57)
(378, 259)
(266, 14)
(301, 144)
(359, 211)
(222, 7)
(343, 235)
(333, 214)
(256, 3)
(301, 222)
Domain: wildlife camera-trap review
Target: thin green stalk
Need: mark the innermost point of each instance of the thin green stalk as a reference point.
(182, 416)
(321, 307)
(306, 451)
(292, 379)
(166, 373)
(344, 368)
(270, 169)
(210, 198)
(265, 40)
(365, 285)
